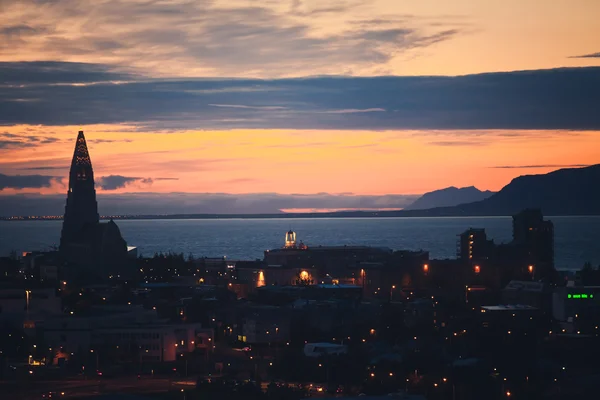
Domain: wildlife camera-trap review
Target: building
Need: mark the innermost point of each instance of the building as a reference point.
(474, 246)
(536, 236)
(577, 308)
(257, 274)
(28, 308)
(128, 333)
(324, 349)
(534, 294)
(81, 208)
(264, 325)
(85, 241)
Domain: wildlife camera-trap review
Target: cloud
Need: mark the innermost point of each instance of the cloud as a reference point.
(543, 99)
(203, 203)
(541, 166)
(46, 167)
(248, 107)
(97, 141)
(113, 182)
(592, 55)
(215, 38)
(352, 111)
(12, 144)
(18, 74)
(26, 181)
(12, 141)
(452, 143)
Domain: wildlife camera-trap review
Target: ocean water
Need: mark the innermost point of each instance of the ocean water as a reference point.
(577, 239)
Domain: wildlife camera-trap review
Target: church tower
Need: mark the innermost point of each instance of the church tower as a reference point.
(81, 208)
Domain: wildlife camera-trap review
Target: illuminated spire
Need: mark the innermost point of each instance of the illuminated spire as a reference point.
(81, 156)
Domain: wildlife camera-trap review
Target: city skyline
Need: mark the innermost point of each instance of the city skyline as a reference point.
(217, 105)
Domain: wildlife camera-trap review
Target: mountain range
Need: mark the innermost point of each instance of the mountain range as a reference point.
(570, 191)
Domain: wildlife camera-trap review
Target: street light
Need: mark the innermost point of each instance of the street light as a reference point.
(531, 269)
(27, 296)
(392, 291)
(97, 355)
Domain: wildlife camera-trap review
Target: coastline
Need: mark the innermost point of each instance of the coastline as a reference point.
(434, 213)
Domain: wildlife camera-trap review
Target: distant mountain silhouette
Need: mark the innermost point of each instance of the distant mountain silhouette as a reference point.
(450, 196)
(572, 191)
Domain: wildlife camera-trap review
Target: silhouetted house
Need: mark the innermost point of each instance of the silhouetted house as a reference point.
(85, 241)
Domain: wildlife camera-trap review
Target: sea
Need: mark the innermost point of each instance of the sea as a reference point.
(577, 239)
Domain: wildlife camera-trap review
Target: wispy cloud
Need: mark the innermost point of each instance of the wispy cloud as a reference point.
(99, 141)
(13, 141)
(46, 168)
(214, 38)
(275, 108)
(352, 111)
(452, 143)
(541, 166)
(591, 55)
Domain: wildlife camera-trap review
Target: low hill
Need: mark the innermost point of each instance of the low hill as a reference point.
(450, 196)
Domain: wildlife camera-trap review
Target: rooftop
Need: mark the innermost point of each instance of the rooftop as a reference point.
(509, 307)
(341, 286)
(325, 344)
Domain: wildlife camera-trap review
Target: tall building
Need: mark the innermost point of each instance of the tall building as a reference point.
(85, 241)
(473, 245)
(535, 236)
(81, 207)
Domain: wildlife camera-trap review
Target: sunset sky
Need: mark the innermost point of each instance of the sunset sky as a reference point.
(361, 100)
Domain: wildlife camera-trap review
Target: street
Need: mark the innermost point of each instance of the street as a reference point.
(80, 388)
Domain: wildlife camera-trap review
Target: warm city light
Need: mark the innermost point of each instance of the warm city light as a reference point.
(155, 153)
(261, 279)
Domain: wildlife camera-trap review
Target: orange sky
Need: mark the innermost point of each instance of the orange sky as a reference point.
(361, 162)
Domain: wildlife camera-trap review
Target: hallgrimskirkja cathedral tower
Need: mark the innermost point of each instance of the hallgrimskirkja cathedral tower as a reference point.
(85, 241)
(81, 208)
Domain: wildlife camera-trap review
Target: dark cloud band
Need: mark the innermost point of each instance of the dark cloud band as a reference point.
(26, 181)
(545, 99)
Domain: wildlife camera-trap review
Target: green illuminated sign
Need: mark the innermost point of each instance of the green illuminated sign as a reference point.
(580, 296)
